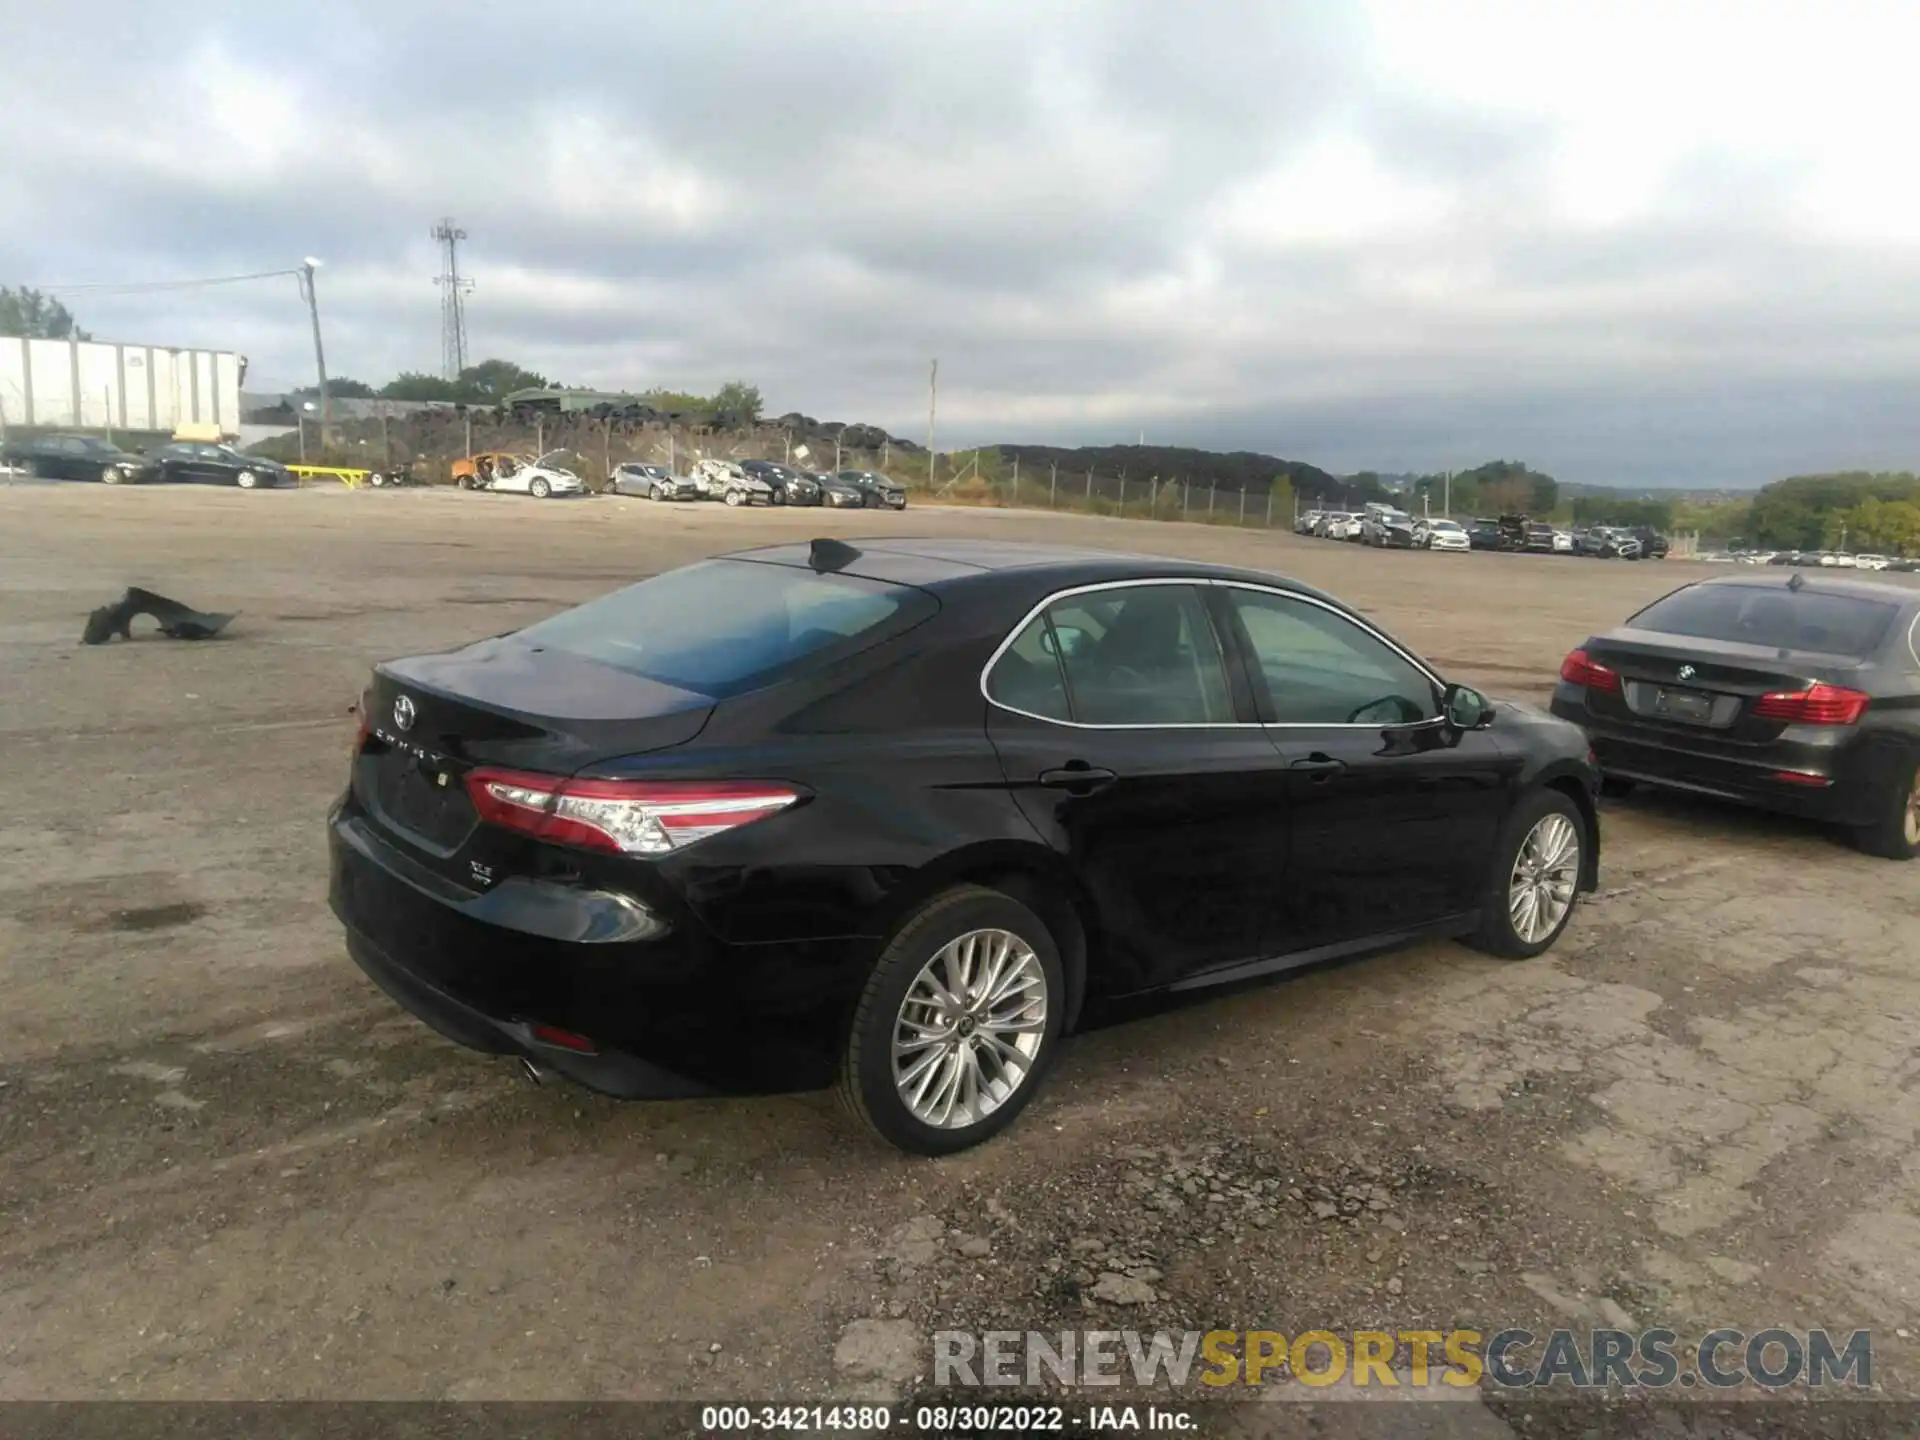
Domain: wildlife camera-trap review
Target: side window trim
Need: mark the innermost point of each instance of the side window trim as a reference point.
(1198, 583)
(1263, 699)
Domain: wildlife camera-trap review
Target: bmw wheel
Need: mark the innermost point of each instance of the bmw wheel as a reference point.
(957, 1024)
(539, 489)
(246, 480)
(1535, 884)
(1896, 834)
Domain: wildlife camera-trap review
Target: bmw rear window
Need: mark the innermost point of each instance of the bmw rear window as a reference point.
(1774, 617)
(723, 627)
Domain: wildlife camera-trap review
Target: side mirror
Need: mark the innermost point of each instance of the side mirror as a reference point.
(1070, 639)
(1466, 709)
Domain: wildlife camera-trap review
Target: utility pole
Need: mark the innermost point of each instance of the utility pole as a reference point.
(453, 306)
(319, 355)
(1446, 503)
(933, 392)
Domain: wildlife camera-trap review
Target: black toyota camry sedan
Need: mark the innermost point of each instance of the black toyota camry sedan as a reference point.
(1795, 693)
(890, 814)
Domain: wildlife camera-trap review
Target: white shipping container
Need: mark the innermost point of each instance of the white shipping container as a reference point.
(94, 385)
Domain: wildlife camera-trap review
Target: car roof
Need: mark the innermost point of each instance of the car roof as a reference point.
(942, 563)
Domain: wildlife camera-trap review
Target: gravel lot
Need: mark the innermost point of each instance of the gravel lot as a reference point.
(230, 1168)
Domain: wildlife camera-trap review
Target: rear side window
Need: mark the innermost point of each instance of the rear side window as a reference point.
(1774, 617)
(723, 627)
(1027, 675)
(1127, 655)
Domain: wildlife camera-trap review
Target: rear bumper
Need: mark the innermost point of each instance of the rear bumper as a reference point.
(1834, 777)
(671, 1013)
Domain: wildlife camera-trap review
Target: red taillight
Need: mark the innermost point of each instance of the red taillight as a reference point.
(365, 728)
(624, 817)
(563, 1039)
(1578, 669)
(1801, 777)
(1818, 704)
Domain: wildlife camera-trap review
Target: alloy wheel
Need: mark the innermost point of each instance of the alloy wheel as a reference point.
(1546, 874)
(1913, 811)
(969, 1029)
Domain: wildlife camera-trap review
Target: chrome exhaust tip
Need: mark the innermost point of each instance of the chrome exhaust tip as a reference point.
(532, 1071)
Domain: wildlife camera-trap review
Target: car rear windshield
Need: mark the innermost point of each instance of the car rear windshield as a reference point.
(723, 627)
(1772, 616)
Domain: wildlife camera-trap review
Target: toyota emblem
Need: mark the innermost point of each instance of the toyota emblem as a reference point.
(403, 713)
(1687, 672)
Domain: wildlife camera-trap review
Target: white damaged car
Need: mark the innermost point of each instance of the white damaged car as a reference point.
(724, 480)
(542, 478)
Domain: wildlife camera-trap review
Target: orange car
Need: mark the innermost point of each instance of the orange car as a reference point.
(476, 472)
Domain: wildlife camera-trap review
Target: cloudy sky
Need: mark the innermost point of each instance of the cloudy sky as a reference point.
(1630, 241)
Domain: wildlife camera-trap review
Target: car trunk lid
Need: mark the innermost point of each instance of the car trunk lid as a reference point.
(1686, 684)
(431, 720)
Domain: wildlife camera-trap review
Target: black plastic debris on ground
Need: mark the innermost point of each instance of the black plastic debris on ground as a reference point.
(176, 621)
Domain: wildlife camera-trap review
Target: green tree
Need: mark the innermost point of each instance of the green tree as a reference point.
(1891, 526)
(1505, 487)
(1795, 512)
(341, 387)
(739, 399)
(492, 379)
(36, 316)
(412, 385)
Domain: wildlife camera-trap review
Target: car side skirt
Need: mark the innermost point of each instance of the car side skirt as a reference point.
(1445, 928)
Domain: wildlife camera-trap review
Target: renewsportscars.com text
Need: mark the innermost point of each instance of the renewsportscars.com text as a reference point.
(1655, 1359)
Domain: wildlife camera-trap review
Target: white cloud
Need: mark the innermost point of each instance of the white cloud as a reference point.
(1102, 215)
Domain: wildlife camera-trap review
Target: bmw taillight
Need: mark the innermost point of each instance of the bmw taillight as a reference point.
(1579, 669)
(1818, 704)
(623, 817)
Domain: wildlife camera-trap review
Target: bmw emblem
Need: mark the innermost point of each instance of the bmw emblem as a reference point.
(1687, 672)
(403, 713)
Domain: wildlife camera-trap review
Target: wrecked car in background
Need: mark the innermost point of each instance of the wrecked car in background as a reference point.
(543, 478)
(725, 480)
(654, 482)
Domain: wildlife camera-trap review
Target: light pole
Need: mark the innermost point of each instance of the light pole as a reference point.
(319, 355)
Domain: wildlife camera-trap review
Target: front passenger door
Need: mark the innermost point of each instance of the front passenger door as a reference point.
(1395, 812)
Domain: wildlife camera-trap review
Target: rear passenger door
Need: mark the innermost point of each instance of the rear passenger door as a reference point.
(1394, 812)
(1127, 740)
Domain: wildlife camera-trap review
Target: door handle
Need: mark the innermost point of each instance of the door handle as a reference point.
(1318, 768)
(1078, 779)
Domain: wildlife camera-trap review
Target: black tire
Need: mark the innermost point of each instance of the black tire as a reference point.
(247, 480)
(1895, 835)
(540, 489)
(1616, 787)
(1497, 935)
(866, 1084)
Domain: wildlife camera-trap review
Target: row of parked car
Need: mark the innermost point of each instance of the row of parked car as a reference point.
(1824, 559)
(88, 457)
(732, 482)
(1390, 528)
